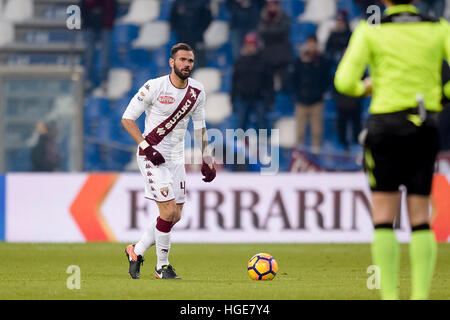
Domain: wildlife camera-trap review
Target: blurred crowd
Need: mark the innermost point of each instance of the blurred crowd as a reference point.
(265, 62)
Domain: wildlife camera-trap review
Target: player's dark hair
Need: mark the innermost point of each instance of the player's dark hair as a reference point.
(178, 47)
(402, 1)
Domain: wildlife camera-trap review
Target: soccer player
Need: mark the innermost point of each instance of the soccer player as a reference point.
(405, 53)
(168, 103)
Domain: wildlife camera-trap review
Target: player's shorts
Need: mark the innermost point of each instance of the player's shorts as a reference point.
(397, 152)
(164, 182)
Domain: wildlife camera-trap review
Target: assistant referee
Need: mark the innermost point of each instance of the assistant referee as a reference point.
(404, 52)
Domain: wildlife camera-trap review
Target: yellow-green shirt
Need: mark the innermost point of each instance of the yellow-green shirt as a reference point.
(404, 58)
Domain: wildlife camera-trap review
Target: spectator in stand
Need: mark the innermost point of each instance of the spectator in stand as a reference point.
(44, 155)
(274, 28)
(252, 86)
(244, 17)
(98, 20)
(433, 8)
(348, 108)
(348, 114)
(338, 39)
(311, 79)
(189, 19)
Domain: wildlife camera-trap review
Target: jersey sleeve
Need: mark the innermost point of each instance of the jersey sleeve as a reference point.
(198, 115)
(348, 78)
(141, 101)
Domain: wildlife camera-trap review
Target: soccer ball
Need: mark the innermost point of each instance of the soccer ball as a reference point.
(262, 266)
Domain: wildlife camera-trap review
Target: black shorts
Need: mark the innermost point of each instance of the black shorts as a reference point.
(397, 152)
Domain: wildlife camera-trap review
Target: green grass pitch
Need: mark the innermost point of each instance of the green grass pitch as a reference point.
(209, 271)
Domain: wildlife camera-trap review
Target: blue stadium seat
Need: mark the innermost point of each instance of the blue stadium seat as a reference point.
(46, 59)
(229, 123)
(17, 159)
(366, 106)
(51, 36)
(284, 104)
(330, 107)
(300, 31)
(124, 137)
(141, 76)
(293, 8)
(55, 13)
(166, 6)
(285, 156)
(220, 58)
(92, 159)
(160, 56)
(223, 13)
(227, 77)
(141, 59)
(90, 127)
(96, 108)
(350, 6)
(118, 107)
(116, 159)
(298, 7)
(141, 122)
(106, 130)
(120, 57)
(122, 37)
(330, 129)
(124, 34)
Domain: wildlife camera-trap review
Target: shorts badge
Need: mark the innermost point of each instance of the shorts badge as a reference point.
(164, 191)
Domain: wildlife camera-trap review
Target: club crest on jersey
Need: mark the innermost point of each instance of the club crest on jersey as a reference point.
(166, 99)
(193, 94)
(164, 191)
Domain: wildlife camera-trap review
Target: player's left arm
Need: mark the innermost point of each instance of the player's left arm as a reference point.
(201, 139)
(348, 78)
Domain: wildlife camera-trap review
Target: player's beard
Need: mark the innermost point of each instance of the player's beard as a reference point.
(180, 74)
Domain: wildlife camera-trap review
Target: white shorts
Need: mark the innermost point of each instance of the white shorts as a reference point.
(164, 182)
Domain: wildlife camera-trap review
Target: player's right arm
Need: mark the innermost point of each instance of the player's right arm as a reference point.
(138, 104)
(133, 130)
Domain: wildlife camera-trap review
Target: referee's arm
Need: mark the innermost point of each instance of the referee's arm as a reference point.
(447, 55)
(353, 65)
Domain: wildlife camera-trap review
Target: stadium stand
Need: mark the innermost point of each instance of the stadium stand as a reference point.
(216, 35)
(18, 10)
(210, 77)
(317, 11)
(218, 108)
(141, 11)
(119, 83)
(153, 35)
